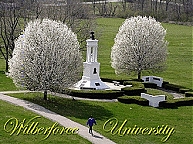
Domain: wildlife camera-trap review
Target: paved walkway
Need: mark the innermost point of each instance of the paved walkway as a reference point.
(175, 94)
(83, 130)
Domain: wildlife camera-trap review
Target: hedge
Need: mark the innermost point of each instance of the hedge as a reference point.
(136, 89)
(176, 103)
(94, 94)
(188, 94)
(149, 85)
(133, 100)
(164, 83)
(165, 104)
(172, 87)
(183, 90)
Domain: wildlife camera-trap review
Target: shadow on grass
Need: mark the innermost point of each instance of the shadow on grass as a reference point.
(72, 108)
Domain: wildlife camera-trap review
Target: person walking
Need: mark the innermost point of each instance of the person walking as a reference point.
(90, 123)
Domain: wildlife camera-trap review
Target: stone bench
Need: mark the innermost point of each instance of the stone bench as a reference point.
(153, 79)
(153, 100)
(116, 83)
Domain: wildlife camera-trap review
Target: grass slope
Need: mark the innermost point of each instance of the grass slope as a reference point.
(142, 116)
(6, 83)
(179, 71)
(179, 61)
(10, 111)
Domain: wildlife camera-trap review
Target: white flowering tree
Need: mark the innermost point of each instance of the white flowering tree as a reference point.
(46, 57)
(139, 45)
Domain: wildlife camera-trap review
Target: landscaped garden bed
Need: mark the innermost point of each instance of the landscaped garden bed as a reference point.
(143, 116)
(131, 95)
(94, 94)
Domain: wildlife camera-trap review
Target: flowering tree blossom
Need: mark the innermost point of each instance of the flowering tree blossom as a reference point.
(139, 45)
(46, 57)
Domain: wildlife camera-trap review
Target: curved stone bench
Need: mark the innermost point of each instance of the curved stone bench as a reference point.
(153, 100)
(153, 79)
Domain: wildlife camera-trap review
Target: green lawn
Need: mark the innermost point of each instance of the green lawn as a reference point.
(11, 111)
(6, 83)
(142, 116)
(179, 61)
(179, 71)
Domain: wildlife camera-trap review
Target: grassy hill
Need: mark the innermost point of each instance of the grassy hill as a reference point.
(179, 72)
(179, 60)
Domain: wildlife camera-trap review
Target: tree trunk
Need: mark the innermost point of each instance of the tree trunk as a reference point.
(139, 75)
(6, 65)
(6, 60)
(45, 95)
(94, 6)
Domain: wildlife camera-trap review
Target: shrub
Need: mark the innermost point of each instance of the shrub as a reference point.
(183, 90)
(172, 87)
(136, 89)
(94, 94)
(188, 94)
(164, 83)
(133, 100)
(132, 82)
(150, 85)
(177, 102)
(127, 83)
(165, 104)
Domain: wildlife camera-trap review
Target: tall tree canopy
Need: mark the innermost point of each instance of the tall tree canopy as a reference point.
(139, 45)
(46, 57)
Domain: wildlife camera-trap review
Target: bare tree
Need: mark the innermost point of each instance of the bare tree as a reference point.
(188, 8)
(46, 57)
(9, 28)
(106, 9)
(139, 45)
(73, 13)
(124, 4)
(14, 15)
(167, 4)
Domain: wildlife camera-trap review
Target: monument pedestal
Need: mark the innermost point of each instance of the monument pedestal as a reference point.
(91, 78)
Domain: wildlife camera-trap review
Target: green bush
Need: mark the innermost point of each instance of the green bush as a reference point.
(94, 94)
(172, 87)
(188, 94)
(133, 82)
(183, 90)
(176, 103)
(133, 100)
(111, 80)
(136, 89)
(164, 83)
(149, 85)
(127, 83)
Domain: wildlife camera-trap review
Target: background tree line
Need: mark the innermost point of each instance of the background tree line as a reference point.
(162, 10)
(15, 14)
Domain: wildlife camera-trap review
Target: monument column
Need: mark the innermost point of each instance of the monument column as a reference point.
(91, 78)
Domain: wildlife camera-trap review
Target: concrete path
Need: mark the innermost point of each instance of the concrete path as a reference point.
(175, 94)
(83, 130)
